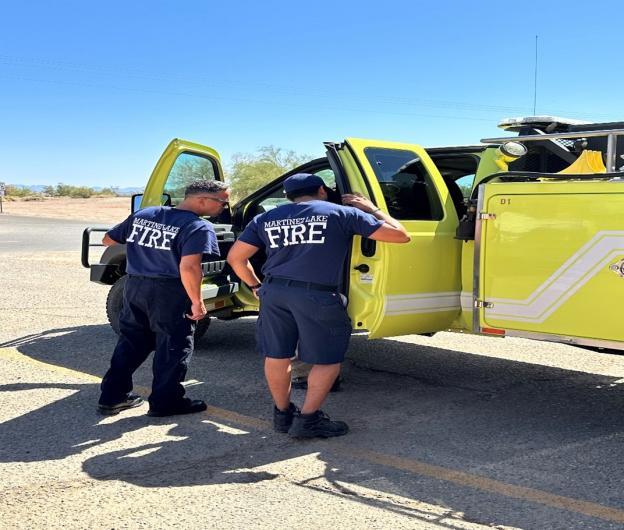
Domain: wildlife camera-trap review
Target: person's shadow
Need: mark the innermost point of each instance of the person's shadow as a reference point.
(447, 408)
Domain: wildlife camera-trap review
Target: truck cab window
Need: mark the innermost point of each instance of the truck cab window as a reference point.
(187, 168)
(407, 187)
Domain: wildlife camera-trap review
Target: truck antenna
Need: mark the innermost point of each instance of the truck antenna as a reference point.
(535, 80)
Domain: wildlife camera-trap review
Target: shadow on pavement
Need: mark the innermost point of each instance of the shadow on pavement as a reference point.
(508, 421)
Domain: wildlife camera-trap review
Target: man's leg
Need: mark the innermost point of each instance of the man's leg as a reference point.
(276, 334)
(174, 348)
(320, 381)
(171, 360)
(299, 373)
(277, 373)
(324, 331)
(135, 343)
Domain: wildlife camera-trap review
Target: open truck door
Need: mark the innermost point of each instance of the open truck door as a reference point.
(180, 163)
(414, 287)
(549, 261)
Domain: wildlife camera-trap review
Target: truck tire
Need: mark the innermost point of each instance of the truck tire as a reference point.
(114, 301)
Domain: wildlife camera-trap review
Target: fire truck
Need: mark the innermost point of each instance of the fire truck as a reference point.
(518, 235)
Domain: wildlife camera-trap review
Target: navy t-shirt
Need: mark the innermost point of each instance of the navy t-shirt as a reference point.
(159, 236)
(309, 240)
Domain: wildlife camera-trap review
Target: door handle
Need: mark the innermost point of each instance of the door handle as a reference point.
(363, 268)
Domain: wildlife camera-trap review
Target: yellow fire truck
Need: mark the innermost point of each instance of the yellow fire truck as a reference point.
(516, 236)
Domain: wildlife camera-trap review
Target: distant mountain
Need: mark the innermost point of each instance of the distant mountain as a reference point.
(129, 190)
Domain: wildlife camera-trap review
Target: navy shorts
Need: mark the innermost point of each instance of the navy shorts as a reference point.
(315, 322)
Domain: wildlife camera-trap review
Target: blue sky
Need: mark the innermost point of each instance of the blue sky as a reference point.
(91, 93)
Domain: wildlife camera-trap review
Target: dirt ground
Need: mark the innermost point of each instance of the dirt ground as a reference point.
(100, 209)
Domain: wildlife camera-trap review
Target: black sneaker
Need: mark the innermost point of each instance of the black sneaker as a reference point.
(282, 419)
(301, 383)
(187, 406)
(133, 400)
(316, 425)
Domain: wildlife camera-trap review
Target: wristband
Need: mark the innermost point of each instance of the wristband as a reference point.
(376, 210)
(254, 287)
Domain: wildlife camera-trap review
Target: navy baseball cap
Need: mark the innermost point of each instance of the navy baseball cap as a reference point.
(300, 181)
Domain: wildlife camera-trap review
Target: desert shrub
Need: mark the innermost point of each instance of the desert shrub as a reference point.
(80, 192)
(17, 191)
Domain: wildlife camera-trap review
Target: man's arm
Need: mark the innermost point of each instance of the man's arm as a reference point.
(191, 276)
(117, 234)
(108, 241)
(391, 231)
(238, 258)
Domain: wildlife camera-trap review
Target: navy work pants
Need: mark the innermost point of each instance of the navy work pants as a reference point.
(152, 319)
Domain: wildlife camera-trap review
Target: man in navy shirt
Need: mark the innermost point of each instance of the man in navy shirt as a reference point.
(162, 298)
(306, 243)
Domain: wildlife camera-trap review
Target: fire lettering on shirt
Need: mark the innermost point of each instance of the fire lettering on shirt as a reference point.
(301, 231)
(152, 234)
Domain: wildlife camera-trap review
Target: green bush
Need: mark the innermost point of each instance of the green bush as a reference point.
(80, 192)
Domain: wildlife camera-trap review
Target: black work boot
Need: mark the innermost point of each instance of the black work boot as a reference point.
(316, 425)
(186, 406)
(282, 419)
(133, 400)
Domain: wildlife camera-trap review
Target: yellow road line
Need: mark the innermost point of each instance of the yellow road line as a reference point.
(453, 476)
(13, 354)
(483, 483)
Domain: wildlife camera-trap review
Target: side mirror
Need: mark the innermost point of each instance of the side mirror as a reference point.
(135, 201)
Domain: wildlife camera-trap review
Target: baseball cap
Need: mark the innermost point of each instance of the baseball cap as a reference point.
(300, 181)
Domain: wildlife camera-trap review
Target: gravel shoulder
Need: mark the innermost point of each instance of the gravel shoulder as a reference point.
(108, 210)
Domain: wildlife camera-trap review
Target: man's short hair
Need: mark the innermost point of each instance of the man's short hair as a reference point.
(197, 187)
(302, 192)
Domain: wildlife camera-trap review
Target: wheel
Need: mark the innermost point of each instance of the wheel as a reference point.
(114, 301)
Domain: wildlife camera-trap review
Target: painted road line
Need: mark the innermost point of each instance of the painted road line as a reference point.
(460, 478)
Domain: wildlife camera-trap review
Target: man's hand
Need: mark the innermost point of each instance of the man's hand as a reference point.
(391, 231)
(357, 200)
(198, 310)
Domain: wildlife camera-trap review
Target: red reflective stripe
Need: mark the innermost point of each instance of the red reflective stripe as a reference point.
(493, 331)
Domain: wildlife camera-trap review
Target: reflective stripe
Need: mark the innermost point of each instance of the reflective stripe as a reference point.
(581, 267)
(405, 304)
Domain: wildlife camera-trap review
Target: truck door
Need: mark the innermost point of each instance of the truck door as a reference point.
(399, 289)
(551, 260)
(181, 163)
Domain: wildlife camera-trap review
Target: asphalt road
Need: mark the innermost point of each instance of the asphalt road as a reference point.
(24, 234)
(447, 432)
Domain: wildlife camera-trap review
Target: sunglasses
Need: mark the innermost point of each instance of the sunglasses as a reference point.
(221, 201)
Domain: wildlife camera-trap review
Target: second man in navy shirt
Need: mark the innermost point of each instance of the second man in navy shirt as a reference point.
(306, 243)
